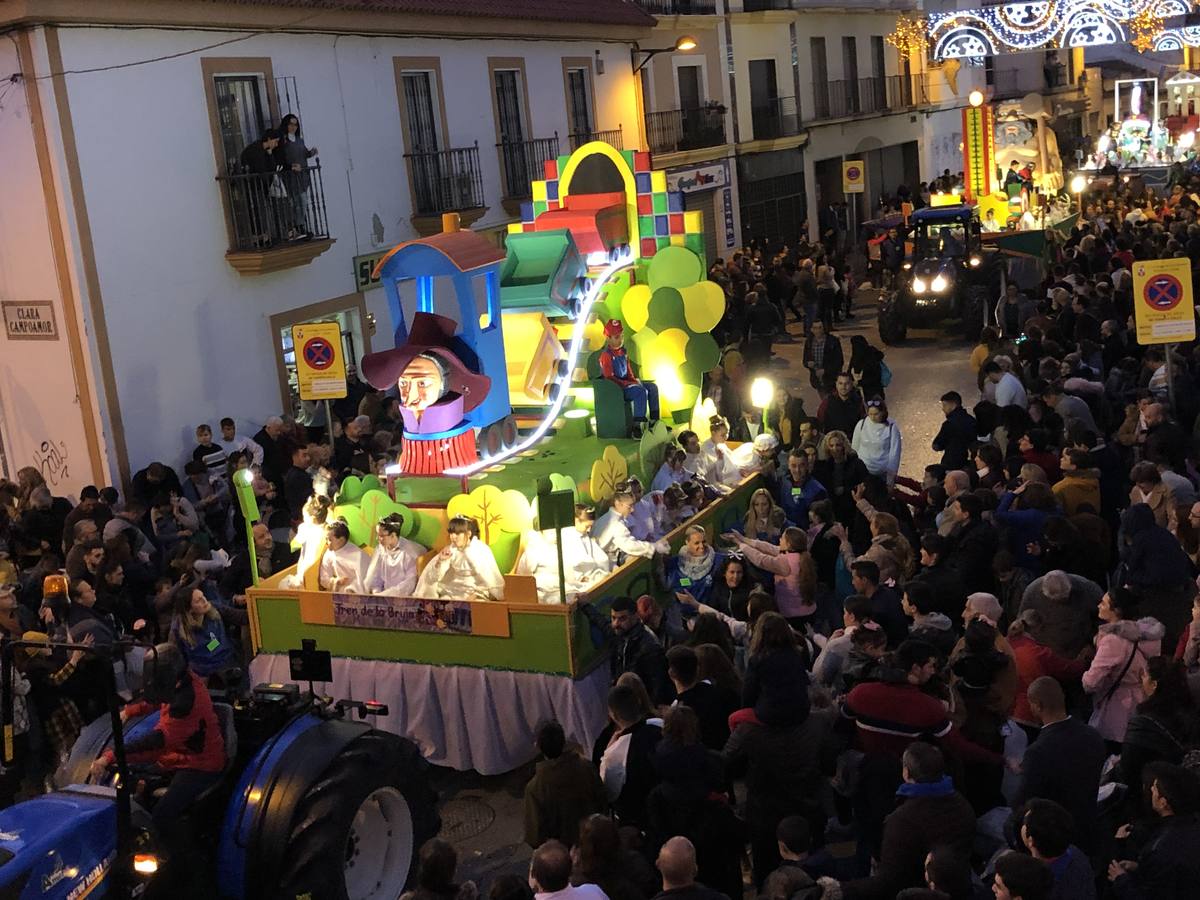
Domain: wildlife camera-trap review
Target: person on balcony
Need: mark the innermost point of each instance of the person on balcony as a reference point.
(293, 156)
(617, 367)
(260, 188)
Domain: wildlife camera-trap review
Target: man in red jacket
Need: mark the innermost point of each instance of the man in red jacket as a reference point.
(186, 743)
(616, 366)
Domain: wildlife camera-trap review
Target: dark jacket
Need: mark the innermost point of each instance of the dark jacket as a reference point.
(1073, 876)
(935, 816)
(840, 484)
(1064, 765)
(712, 709)
(1151, 557)
(973, 545)
(636, 651)
(836, 414)
(784, 768)
(832, 361)
(258, 160)
(696, 891)
(776, 687)
(1168, 866)
(954, 439)
(947, 585)
(560, 795)
(640, 774)
(297, 488)
(888, 612)
(1149, 738)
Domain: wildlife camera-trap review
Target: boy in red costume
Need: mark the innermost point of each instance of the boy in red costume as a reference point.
(616, 366)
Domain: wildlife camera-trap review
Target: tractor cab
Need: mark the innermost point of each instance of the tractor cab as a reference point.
(944, 276)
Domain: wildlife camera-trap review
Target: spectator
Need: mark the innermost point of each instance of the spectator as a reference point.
(1164, 724)
(1046, 830)
(1021, 877)
(957, 434)
(928, 624)
(842, 409)
(627, 763)
(634, 648)
(1123, 647)
(1168, 867)
(677, 863)
(437, 863)
(823, 359)
(702, 697)
(563, 791)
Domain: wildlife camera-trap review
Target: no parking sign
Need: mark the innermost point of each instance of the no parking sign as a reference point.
(1162, 301)
(320, 365)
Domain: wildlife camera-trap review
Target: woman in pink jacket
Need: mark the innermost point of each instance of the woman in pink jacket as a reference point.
(792, 564)
(1114, 678)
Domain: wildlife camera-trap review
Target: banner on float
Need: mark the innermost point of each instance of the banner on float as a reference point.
(1162, 301)
(402, 613)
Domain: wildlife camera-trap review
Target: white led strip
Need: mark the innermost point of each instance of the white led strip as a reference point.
(598, 284)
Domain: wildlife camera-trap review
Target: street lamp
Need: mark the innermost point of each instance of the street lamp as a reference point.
(975, 98)
(682, 45)
(762, 390)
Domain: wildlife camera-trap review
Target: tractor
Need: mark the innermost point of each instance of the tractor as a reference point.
(947, 276)
(313, 802)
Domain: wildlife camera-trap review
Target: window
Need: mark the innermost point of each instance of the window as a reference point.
(350, 312)
(820, 77)
(242, 113)
(509, 106)
(578, 100)
(689, 80)
(421, 111)
(850, 72)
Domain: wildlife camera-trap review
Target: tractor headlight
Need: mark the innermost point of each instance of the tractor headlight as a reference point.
(975, 261)
(939, 284)
(907, 266)
(918, 285)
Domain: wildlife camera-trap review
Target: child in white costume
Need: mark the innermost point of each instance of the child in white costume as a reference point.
(310, 537)
(344, 564)
(584, 563)
(465, 569)
(392, 571)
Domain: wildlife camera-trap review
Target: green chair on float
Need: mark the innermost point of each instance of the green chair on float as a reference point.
(614, 414)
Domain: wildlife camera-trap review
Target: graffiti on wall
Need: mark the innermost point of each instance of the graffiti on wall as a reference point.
(51, 460)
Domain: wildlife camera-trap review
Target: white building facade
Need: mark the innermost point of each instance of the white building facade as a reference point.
(129, 226)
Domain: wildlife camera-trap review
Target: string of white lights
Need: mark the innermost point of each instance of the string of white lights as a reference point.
(598, 284)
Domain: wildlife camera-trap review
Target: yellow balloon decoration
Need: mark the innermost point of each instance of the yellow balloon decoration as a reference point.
(635, 307)
(671, 345)
(703, 305)
(593, 334)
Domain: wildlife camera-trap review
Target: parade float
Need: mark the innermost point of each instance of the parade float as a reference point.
(511, 418)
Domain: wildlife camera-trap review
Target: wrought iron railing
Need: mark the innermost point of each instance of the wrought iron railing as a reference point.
(765, 5)
(778, 117)
(274, 209)
(868, 96)
(446, 180)
(524, 162)
(672, 130)
(679, 7)
(613, 136)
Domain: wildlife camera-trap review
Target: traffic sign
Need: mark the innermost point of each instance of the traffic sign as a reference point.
(853, 176)
(1162, 292)
(320, 365)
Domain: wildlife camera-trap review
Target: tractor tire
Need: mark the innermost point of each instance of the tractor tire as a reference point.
(974, 309)
(356, 832)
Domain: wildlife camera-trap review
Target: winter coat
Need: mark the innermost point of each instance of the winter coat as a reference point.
(1119, 643)
(796, 577)
(936, 629)
(1168, 866)
(187, 735)
(1034, 660)
(1025, 526)
(1150, 555)
(954, 439)
(776, 687)
(1066, 624)
(1003, 689)
(878, 446)
(1077, 488)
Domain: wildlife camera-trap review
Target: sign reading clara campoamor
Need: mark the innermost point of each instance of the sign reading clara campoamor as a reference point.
(29, 320)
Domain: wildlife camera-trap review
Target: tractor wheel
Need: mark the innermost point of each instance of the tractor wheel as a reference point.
(356, 832)
(974, 309)
(508, 431)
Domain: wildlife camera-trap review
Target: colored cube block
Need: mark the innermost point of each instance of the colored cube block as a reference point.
(552, 190)
(539, 191)
(660, 203)
(527, 211)
(515, 228)
(550, 167)
(539, 207)
(676, 223)
(695, 243)
(693, 221)
(645, 205)
(649, 246)
(661, 226)
(658, 181)
(646, 226)
(662, 242)
(642, 180)
(562, 164)
(641, 161)
(552, 204)
(677, 240)
(627, 155)
(675, 201)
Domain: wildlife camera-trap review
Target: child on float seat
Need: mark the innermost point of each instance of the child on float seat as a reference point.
(465, 569)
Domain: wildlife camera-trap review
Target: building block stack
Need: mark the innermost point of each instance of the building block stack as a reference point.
(661, 219)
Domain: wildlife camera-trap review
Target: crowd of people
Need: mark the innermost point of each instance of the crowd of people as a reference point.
(978, 679)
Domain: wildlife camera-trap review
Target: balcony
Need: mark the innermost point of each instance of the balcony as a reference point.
(675, 130)
(524, 162)
(445, 181)
(277, 220)
(868, 96)
(679, 7)
(777, 118)
(612, 136)
(1010, 84)
(765, 5)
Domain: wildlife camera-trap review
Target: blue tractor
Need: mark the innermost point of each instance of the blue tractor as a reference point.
(312, 803)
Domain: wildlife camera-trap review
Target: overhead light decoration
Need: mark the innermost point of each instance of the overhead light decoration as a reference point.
(1145, 27)
(910, 36)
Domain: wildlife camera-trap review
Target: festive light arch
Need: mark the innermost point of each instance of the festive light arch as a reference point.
(1049, 24)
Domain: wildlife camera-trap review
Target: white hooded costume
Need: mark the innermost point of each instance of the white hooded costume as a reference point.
(456, 574)
(393, 573)
(342, 570)
(584, 563)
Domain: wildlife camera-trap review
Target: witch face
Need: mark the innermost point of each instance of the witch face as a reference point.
(421, 384)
